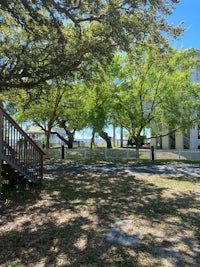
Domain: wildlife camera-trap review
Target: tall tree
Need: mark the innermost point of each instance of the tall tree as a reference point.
(58, 105)
(154, 90)
(73, 115)
(40, 110)
(41, 40)
(97, 102)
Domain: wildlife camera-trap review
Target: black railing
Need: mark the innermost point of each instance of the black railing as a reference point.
(19, 150)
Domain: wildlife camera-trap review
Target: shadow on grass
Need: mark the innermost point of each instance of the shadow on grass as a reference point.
(64, 221)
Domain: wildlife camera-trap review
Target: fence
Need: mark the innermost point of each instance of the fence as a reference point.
(120, 154)
(178, 154)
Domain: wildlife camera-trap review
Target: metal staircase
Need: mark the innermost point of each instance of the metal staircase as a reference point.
(186, 139)
(20, 156)
(172, 140)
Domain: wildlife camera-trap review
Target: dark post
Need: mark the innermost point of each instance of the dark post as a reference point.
(62, 152)
(152, 152)
(121, 136)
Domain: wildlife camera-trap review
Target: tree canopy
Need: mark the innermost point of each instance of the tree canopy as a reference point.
(60, 104)
(41, 40)
(140, 89)
(154, 90)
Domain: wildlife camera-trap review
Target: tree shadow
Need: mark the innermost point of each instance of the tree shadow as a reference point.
(64, 222)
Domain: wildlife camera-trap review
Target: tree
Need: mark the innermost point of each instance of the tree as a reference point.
(59, 104)
(42, 40)
(154, 90)
(72, 116)
(41, 111)
(97, 102)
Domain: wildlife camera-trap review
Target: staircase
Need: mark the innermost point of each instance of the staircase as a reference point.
(186, 139)
(21, 157)
(172, 139)
(186, 142)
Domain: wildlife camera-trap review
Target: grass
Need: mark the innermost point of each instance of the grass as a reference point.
(64, 221)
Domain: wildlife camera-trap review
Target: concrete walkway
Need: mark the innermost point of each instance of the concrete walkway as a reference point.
(178, 169)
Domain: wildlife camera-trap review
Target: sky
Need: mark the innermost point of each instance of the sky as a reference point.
(187, 11)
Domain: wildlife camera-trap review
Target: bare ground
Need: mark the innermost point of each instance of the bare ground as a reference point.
(104, 214)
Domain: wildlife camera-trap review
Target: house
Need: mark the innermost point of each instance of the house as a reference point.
(38, 135)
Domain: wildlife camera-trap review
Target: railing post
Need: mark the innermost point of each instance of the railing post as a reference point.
(152, 153)
(41, 166)
(62, 152)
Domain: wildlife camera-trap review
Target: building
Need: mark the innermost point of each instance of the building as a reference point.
(38, 135)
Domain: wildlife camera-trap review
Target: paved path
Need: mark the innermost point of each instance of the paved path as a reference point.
(178, 169)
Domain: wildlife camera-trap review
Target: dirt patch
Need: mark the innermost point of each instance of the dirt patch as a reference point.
(124, 233)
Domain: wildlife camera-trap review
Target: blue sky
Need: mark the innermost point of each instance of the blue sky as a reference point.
(189, 12)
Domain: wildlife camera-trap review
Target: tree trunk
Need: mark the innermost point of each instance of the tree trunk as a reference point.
(48, 134)
(121, 136)
(114, 136)
(107, 138)
(70, 140)
(70, 136)
(137, 148)
(92, 141)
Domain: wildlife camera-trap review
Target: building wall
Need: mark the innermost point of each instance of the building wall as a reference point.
(194, 141)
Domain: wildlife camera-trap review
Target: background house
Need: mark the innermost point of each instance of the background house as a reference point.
(37, 134)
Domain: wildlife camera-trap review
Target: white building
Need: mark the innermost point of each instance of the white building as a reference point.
(37, 134)
(190, 139)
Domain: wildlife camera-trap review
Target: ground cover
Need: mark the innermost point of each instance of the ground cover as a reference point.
(104, 214)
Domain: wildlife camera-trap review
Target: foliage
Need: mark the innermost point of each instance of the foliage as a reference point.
(59, 104)
(43, 40)
(154, 90)
(97, 99)
(140, 89)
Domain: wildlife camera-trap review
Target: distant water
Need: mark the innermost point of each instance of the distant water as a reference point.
(88, 140)
(100, 141)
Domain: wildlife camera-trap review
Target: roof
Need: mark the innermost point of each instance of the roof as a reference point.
(35, 129)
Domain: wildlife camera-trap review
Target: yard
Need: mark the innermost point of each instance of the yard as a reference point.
(104, 214)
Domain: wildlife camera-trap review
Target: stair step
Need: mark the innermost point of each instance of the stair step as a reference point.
(11, 174)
